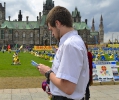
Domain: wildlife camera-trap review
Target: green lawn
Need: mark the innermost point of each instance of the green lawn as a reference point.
(23, 70)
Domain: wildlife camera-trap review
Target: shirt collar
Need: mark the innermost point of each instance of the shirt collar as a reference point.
(67, 35)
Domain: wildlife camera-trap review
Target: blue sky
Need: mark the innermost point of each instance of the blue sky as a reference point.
(89, 9)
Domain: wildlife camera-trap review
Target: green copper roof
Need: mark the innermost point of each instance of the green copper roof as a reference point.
(20, 24)
(80, 26)
(43, 20)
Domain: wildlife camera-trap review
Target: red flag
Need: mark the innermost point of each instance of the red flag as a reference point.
(8, 46)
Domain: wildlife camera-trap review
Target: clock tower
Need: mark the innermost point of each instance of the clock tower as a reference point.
(2, 13)
(47, 6)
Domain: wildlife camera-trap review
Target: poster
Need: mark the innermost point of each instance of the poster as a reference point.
(95, 75)
(115, 71)
(104, 71)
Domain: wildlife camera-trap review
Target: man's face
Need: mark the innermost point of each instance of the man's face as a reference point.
(55, 32)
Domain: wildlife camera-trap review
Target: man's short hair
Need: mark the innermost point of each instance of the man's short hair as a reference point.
(61, 14)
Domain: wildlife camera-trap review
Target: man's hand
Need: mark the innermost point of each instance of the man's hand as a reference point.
(43, 68)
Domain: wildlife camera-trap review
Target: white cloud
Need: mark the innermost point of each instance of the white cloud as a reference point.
(112, 36)
(105, 3)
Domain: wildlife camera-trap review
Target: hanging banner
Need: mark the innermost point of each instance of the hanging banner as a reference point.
(43, 47)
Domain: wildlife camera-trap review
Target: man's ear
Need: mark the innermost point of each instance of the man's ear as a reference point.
(57, 23)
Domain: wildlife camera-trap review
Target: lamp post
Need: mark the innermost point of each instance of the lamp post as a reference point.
(117, 39)
(112, 40)
(112, 43)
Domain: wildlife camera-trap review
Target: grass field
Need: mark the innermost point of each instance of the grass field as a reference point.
(23, 70)
(21, 76)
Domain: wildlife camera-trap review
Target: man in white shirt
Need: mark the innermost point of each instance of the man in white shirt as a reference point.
(69, 74)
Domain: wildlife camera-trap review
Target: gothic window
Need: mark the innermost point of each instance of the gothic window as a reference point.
(31, 34)
(74, 19)
(38, 35)
(2, 34)
(10, 31)
(49, 7)
(45, 34)
(84, 35)
(16, 34)
(24, 34)
(23, 42)
(31, 42)
(0, 15)
(6, 33)
(77, 19)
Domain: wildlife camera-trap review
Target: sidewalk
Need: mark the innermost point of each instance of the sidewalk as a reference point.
(102, 92)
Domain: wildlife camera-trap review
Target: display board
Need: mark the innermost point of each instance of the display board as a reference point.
(104, 71)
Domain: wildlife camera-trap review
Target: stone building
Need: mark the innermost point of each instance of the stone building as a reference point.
(32, 33)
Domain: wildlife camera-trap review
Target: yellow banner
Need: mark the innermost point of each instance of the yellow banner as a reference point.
(43, 47)
(113, 45)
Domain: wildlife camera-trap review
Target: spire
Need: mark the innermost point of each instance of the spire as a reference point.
(93, 21)
(101, 30)
(4, 4)
(75, 8)
(0, 5)
(101, 23)
(19, 16)
(93, 26)
(101, 19)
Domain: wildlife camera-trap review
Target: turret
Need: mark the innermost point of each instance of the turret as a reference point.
(93, 26)
(27, 19)
(101, 23)
(9, 18)
(101, 30)
(19, 16)
(47, 6)
(5, 11)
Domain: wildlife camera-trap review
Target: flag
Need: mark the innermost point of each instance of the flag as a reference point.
(8, 47)
(21, 47)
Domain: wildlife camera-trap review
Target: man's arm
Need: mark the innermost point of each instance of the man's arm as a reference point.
(64, 85)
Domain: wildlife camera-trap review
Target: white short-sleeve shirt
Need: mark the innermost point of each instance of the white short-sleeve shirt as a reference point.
(71, 63)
